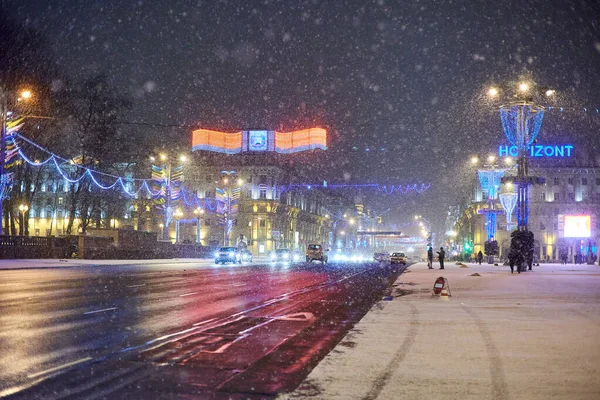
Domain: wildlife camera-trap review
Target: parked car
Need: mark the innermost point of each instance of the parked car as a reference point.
(246, 255)
(381, 257)
(316, 252)
(228, 254)
(398, 258)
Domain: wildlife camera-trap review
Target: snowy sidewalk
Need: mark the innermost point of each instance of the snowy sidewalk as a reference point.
(500, 336)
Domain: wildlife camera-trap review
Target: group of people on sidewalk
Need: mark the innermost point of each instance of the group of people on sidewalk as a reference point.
(441, 257)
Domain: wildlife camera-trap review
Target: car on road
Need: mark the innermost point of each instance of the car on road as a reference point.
(284, 255)
(316, 252)
(381, 257)
(246, 255)
(228, 254)
(398, 258)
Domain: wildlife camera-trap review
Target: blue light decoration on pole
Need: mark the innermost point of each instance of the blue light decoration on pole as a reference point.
(508, 201)
(168, 180)
(227, 203)
(521, 122)
(489, 180)
(10, 156)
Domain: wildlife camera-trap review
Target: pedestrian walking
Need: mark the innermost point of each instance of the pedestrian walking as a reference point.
(513, 259)
(441, 256)
(479, 257)
(430, 258)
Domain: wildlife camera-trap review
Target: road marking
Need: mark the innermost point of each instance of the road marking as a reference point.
(188, 294)
(204, 322)
(31, 376)
(143, 284)
(97, 311)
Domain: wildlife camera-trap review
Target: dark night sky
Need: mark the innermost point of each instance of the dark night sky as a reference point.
(404, 75)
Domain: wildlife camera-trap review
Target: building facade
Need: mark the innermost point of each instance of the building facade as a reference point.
(564, 215)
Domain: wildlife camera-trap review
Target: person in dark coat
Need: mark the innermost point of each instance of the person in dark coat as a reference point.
(479, 257)
(515, 259)
(430, 257)
(441, 256)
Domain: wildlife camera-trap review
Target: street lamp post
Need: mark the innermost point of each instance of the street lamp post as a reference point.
(521, 121)
(23, 208)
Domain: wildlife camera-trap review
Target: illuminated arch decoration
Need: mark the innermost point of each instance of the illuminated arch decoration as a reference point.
(306, 139)
(259, 141)
(220, 142)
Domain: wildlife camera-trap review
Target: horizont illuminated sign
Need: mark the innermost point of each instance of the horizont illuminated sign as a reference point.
(538, 150)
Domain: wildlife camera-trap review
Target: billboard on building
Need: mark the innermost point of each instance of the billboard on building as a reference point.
(578, 226)
(259, 141)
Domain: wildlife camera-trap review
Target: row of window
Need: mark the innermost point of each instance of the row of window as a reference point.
(555, 225)
(210, 179)
(571, 181)
(570, 196)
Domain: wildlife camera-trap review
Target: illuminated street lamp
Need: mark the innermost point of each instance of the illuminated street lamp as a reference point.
(23, 208)
(523, 87)
(521, 121)
(5, 179)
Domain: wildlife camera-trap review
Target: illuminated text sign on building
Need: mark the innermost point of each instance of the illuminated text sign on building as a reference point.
(537, 150)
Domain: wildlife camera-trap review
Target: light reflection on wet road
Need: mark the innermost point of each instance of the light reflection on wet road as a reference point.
(216, 329)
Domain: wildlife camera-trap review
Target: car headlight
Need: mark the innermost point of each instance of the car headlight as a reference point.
(285, 256)
(296, 257)
(231, 254)
(273, 256)
(216, 254)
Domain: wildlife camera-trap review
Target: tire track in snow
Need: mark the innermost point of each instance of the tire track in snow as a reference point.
(382, 380)
(499, 385)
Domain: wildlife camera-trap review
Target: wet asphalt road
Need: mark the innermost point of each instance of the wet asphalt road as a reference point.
(172, 330)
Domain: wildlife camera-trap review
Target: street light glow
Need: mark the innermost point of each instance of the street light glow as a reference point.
(493, 92)
(351, 221)
(240, 182)
(474, 160)
(523, 87)
(225, 181)
(508, 160)
(492, 158)
(26, 94)
(163, 157)
(182, 158)
(550, 92)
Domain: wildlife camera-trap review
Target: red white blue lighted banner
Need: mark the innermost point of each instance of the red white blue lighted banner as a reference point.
(259, 141)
